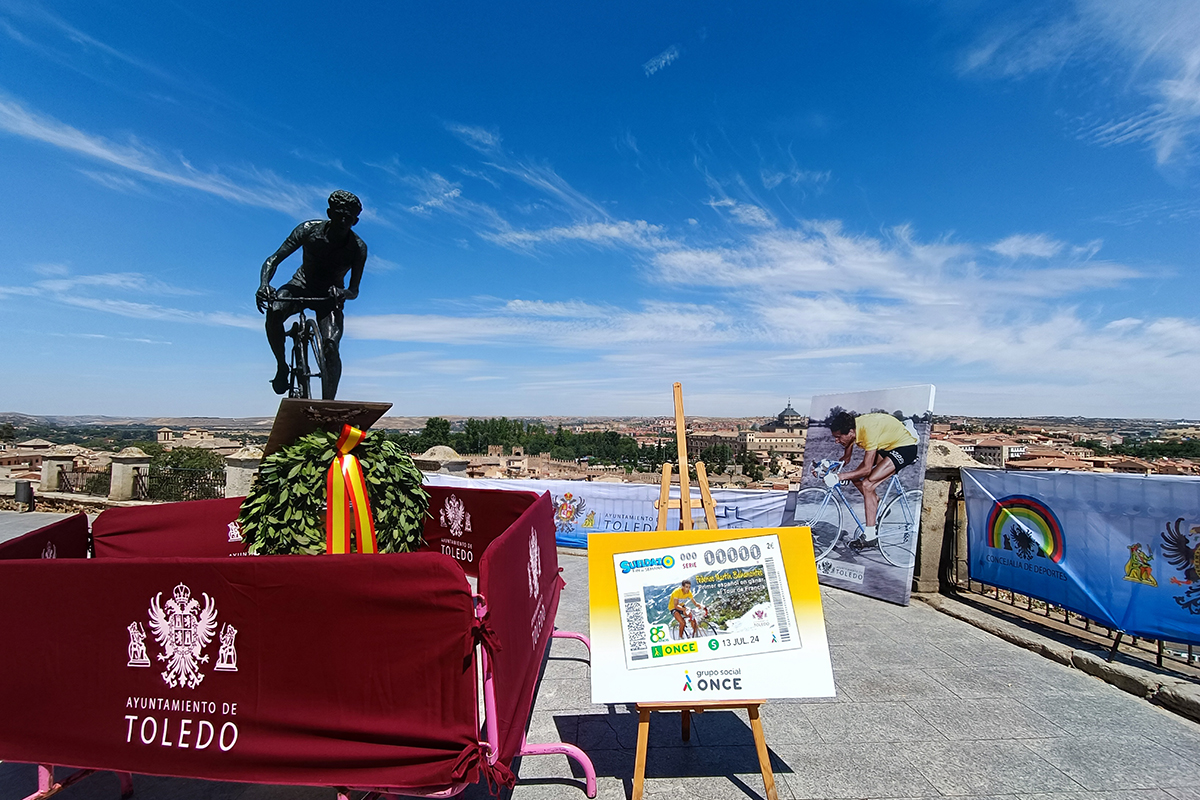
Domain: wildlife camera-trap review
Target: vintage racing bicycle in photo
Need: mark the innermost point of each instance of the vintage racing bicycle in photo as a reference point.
(700, 617)
(823, 510)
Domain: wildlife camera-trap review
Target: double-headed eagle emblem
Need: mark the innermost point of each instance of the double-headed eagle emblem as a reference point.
(1178, 548)
(183, 632)
(454, 516)
(567, 511)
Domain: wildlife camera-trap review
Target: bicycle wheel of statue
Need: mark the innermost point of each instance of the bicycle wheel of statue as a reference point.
(890, 427)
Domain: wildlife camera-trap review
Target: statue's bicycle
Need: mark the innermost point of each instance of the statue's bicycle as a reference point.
(822, 509)
(307, 350)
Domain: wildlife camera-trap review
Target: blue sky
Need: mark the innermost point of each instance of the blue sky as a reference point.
(569, 206)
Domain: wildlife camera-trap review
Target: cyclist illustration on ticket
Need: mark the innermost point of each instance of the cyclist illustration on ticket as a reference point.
(704, 602)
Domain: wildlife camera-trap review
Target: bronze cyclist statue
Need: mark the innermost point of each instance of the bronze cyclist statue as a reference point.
(331, 250)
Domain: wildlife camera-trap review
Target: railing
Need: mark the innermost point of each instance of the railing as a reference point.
(141, 485)
(173, 484)
(1179, 658)
(84, 481)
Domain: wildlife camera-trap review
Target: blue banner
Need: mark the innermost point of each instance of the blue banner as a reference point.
(1121, 549)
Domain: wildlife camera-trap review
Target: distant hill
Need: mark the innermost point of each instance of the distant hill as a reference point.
(264, 423)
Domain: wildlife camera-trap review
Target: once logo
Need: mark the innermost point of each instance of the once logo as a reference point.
(664, 650)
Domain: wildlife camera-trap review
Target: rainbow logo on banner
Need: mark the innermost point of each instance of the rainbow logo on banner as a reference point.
(1025, 518)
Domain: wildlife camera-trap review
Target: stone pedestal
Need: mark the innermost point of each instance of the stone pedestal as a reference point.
(240, 469)
(935, 499)
(52, 464)
(125, 466)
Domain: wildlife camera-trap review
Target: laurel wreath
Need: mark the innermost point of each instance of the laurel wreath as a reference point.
(285, 511)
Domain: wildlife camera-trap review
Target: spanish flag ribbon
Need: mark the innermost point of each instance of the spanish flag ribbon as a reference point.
(347, 498)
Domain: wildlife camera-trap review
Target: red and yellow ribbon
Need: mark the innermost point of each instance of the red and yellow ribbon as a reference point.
(347, 498)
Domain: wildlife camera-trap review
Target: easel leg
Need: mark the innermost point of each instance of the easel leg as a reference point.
(639, 762)
(764, 758)
(685, 724)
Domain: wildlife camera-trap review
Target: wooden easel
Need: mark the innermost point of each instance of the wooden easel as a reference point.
(664, 504)
(751, 706)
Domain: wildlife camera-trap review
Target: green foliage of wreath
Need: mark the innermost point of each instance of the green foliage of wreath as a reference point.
(285, 511)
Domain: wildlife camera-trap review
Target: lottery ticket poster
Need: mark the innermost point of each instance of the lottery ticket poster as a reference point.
(752, 622)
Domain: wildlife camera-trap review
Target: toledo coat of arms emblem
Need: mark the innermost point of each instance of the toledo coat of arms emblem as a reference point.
(454, 515)
(183, 629)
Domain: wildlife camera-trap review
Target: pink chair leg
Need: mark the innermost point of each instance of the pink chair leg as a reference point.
(570, 751)
(572, 635)
(48, 787)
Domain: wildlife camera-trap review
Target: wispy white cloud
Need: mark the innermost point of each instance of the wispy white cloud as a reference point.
(40, 15)
(826, 298)
(745, 213)
(574, 309)
(253, 187)
(663, 59)
(772, 178)
(637, 234)
(151, 311)
(103, 292)
(111, 180)
(440, 194)
(1019, 244)
(1160, 46)
(481, 139)
(380, 264)
(437, 193)
(626, 142)
(588, 328)
(105, 336)
(321, 161)
(129, 281)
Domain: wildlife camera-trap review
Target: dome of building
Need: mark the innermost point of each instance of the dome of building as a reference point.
(790, 417)
(440, 452)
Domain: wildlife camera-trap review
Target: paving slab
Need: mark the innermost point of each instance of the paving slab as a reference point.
(19, 523)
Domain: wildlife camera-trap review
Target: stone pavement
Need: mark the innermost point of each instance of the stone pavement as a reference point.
(928, 706)
(18, 523)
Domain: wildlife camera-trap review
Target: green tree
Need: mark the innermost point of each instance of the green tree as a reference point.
(436, 432)
(751, 467)
(190, 458)
(717, 457)
(7, 432)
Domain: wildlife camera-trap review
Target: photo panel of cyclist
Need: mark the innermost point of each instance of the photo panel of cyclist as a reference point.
(864, 470)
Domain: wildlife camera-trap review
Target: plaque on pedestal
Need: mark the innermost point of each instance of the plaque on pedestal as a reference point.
(297, 417)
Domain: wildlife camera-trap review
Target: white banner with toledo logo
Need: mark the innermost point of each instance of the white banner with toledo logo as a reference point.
(583, 507)
(706, 615)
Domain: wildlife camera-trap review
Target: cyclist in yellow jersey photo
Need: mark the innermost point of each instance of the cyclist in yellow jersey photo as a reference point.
(889, 446)
(678, 606)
